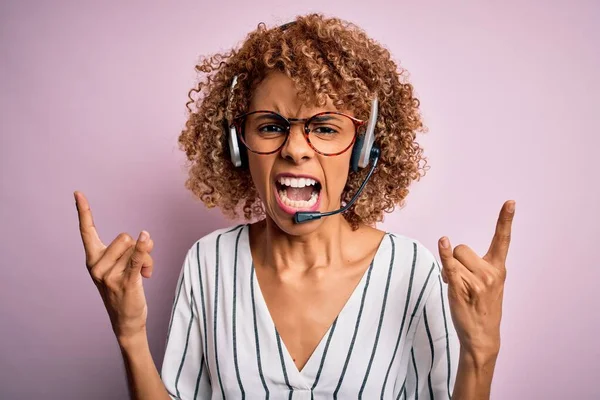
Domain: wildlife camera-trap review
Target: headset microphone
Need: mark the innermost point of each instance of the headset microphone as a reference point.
(306, 216)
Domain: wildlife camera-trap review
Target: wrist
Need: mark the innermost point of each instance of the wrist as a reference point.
(133, 341)
(479, 359)
(485, 347)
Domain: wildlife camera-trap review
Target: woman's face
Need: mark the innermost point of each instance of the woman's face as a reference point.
(295, 178)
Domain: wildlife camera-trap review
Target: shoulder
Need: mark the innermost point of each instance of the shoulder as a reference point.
(221, 238)
(212, 251)
(413, 263)
(423, 256)
(406, 246)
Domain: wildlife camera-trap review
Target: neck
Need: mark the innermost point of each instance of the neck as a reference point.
(322, 247)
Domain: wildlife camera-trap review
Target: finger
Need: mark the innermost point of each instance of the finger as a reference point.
(149, 263)
(450, 270)
(119, 268)
(461, 281)
(150, 245)
(118, 248)
(470, 260)
(129, 265)
(148, 266)
(92, 244)
(140, 257)
(499, 247)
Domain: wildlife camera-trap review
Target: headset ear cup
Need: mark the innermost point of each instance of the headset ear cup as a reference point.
(369, 136)
(242, 151)
(234, 144)
(356, 150)
(244, 156)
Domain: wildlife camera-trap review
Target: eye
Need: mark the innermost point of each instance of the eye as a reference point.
(324, 130)
(271, 128)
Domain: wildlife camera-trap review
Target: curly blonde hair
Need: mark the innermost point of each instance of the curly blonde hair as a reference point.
(325, 57)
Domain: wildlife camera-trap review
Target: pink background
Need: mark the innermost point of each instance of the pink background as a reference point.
(92, 98)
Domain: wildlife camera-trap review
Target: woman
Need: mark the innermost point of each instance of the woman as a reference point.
(326, 308)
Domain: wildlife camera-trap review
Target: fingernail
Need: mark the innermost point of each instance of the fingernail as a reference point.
(511, 207)
(143, 236)
(445, 242)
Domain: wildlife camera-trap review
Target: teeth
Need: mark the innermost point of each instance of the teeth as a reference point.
(298, 203)
(297, 182)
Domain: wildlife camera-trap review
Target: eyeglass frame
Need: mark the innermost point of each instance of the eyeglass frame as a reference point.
(357, 124)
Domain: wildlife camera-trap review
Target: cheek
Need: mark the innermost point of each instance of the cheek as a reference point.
(336, 173)
(260, 168)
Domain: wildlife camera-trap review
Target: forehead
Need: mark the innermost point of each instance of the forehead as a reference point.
(277, 92)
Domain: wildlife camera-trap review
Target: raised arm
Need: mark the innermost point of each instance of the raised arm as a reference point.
(142, 375)
(475, 294)
(117, 272)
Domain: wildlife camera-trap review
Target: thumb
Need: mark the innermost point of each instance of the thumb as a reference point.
(444, 276)
(449, 270)
(140, 257)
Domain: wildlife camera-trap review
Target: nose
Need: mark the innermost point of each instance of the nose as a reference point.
(296, 148)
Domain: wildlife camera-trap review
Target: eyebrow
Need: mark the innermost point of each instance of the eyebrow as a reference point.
(320, 118)
(328, 117)
(266, 116)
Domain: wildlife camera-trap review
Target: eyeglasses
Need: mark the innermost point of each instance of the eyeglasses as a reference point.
(329, 133)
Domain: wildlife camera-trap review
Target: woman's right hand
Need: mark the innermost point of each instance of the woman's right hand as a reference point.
(117, 272)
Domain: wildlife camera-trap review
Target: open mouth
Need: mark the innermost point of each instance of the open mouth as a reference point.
(298, 193)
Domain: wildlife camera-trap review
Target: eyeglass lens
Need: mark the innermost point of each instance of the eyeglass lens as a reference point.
(329, 133)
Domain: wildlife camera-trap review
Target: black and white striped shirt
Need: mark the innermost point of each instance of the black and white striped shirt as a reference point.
(393, 339)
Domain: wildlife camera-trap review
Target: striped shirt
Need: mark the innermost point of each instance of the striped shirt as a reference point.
(393, 339)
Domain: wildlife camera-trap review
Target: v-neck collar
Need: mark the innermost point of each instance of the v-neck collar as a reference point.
(304, 378)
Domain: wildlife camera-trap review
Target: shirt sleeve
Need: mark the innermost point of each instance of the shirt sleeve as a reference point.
(184, 371)
(433, 359)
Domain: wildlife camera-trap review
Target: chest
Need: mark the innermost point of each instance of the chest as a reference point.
(262, 333)
(304, 308)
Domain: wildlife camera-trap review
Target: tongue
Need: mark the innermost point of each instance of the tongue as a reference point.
(303, 193)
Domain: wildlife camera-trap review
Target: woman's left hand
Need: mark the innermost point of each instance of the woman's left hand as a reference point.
(476, 288)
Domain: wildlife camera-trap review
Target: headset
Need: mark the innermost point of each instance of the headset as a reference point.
(364, 151)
